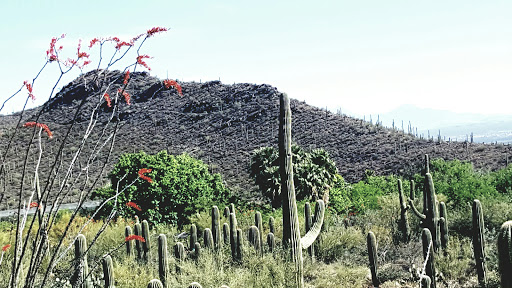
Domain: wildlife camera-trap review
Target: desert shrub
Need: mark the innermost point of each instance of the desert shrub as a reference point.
(459, 182)
(502, 180)
(177, 187)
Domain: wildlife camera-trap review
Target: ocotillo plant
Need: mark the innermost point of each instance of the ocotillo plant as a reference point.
(291, 232)
(428, 256)
(371, 243)
(163, 265)
(429, 218)
(216, 227)
(146, 247)
(108, 271)
(478, 242)
(81, 267)
(155, 283)
(403, 222)
(129, 244)
(505, 254)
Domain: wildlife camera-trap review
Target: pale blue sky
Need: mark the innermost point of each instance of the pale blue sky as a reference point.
(366, 57)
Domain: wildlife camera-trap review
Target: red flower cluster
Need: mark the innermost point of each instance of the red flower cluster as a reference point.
(141, 62)
(171, 83)
(125, 95)
(34, 205)
(120, 44)
(29, 88)
(51, 53)
(133, 205)
(144, 177)
(40, 125)
(6, 247)
(126, 77)
(134, 237)
(155, 30)
(107, 98)
(94, 41)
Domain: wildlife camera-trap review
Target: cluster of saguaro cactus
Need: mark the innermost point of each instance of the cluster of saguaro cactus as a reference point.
(430, 217)
(291, 232)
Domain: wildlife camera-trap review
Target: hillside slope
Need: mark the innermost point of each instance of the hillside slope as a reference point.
(220, 124)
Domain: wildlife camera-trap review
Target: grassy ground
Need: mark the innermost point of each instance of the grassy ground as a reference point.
(341, 254)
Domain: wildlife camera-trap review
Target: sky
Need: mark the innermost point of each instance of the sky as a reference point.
(362, 57)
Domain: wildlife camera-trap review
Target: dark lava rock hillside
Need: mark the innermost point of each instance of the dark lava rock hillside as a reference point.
(217, 123)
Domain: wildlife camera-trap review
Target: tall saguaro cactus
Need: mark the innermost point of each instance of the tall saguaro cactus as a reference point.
(146, 247)
(428, 255)
(403, 224)
(129, 244)
(291, 230)
(81, 267)
(478, 241)
(163, 266)
(108, 271)
(216, 227)
(371, 242)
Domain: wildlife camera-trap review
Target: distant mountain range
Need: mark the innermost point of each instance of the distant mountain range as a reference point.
(454, 126)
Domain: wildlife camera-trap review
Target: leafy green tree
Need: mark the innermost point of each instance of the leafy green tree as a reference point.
(314, 172)
(502, 180)
(176, 187)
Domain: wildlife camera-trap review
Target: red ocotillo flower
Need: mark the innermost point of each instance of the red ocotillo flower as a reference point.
(126, 96)
(134, 237)
(133, 205)
(94, 41)
(144, 177)
(107, 98)
(34, 204)
(120, 44)
(141, 62)
(6, 247)
(171, 83)
(29, 88)
(126, 77)
(51, 52)
(155, 30)
(40, 125)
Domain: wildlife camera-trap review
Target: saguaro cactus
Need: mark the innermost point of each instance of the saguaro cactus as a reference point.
(81, 267)
(179, 254)
(138, 244)
(271, 225)
(428, 255)
(163, 266)
(195, 285)
(208, 238)
(403, 223)
(443, 225)
(271, 242)
(505, 254)
(255, 239)
(478, 242)
(225, 233)
(155, 283)
(232, 236)
(425, 281)
(108, 271)
(239, 244)
(193, 237)
(216, 227)
(197, 250)
(371, 243)
(129, 244)
(258, 222)
(146, 244)
(308, 217)
(291, 232)
(429, 217)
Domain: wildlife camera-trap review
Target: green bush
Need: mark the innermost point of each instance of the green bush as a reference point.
(458, 182)
(180, 186)
(502, 180)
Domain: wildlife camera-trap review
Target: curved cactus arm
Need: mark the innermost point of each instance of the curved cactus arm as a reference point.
(313, 233)
(415, 211)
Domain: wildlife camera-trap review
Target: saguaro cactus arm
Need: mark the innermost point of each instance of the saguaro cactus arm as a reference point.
(313, 233)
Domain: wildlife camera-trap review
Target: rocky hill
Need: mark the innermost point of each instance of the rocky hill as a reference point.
(218, 123)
